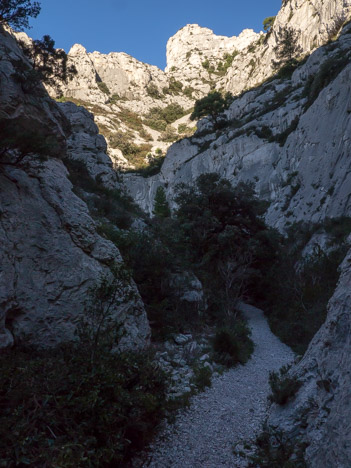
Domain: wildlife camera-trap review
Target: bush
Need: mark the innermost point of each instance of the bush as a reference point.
(131, 119)
(328, 71)
(268, 23)
(296, 290)
(202, 378)
(274, 449)
(283, 386)
(233, 345)
(153, 91)
(61, 413)
(103, 87)
(168, 114)
(212, 105)
(114, 205)
(175, 87)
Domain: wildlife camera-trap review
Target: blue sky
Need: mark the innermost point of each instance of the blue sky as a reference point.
(142, 28)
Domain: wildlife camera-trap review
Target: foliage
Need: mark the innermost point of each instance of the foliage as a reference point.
(212, 105)
(131, 119)
(49, 64)
(274, 449)
(64, 412)
(158, 118)
(232, 345)
(328, 71)
(135, 154)
(268, 23)
(113, 205)
(174, 88)
(103, 87)
(169, 134)
(226, 240)
(153, 91)
(152, 168)
(80, 404)
(283, 386)
(99, 329)
(223, 66)
(202, 378)
(216, 233)
(20, 140)
(161, 206)
(287, 48)
(207, 66)
(188, 91)
(16, 13)
(296, 289)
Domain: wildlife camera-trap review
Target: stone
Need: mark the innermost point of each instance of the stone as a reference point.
(182, 339)
(204, 357)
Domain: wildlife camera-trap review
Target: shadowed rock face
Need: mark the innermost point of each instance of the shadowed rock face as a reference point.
(321, 413)
(51, 254)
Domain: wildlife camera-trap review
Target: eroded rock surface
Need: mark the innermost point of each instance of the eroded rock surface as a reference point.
(321, 412)
(51, 254)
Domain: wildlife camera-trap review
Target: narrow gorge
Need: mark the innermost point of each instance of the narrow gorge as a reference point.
(147, 217)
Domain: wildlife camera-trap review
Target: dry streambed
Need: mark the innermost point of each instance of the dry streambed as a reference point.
(229, 412)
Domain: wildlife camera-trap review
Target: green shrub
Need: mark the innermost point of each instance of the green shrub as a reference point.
(131, 119)
(114, 205)
(328, 71)
(223, 66)
(61, 413)
(274, 449)
(103, 87)
(268, 23)
(153, 91)
(161, 205)
(202, 378)
(156, 124)
(283, 386)
(115, 98)
(188, 91)
(169, 134)
(233, 345)
(175, 87)
(295, 299)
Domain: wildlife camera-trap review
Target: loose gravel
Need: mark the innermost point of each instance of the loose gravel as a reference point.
(230, 412)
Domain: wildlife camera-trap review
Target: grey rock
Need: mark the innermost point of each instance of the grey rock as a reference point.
(182, 339)
(50, 251)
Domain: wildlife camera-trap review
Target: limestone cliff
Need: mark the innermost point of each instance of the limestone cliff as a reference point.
(121, 90)
(293, 150)
(51, 254)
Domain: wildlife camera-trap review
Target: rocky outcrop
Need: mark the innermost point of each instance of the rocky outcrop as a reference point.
(51, 254)
(193, 52)
(313, 22)
(113, 85)
(293, 150)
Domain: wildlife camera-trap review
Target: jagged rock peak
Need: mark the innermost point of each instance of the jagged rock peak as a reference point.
(194, 40)
(77, 49)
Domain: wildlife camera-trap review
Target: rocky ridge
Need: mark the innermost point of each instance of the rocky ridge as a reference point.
(114, 85)
(291, 144)
(50, 249)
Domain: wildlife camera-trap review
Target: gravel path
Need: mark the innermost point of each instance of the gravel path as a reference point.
(232, 410)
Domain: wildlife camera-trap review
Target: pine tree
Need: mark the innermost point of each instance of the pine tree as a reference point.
(16, 13)
(161, 206)
(287, 48)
